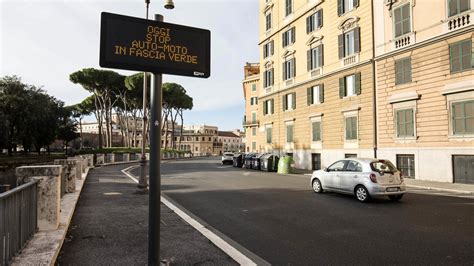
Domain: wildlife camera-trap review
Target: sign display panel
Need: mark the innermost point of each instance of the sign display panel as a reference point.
(153, 46)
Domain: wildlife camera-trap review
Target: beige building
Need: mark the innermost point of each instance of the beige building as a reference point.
(385, 78)
(425, 87)
(231, 141)
(317, 93)
(251, 89)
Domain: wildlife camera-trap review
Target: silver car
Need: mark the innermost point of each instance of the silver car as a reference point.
(362, 177)
(227, 157)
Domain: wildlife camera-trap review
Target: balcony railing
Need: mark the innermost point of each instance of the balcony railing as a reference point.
(459, 21)
(404, 40)
(250, 123)
(18, 219)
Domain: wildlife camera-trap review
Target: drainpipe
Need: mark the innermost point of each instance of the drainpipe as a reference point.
(374, 83)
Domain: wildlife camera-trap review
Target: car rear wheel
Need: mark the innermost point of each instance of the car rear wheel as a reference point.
(395, 197)
(317, 186)
(362, 194)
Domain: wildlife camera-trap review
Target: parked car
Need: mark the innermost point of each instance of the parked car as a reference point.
(227, 157)
(363, 177)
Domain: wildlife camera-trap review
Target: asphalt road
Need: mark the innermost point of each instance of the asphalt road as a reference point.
(280, 219)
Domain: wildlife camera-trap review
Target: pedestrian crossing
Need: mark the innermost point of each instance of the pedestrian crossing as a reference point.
(435, 192)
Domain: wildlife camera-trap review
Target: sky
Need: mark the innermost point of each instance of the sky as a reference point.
(43, 41)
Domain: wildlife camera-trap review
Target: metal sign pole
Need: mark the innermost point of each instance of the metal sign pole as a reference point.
(155, 165)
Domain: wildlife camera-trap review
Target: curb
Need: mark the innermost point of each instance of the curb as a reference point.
(442, 189)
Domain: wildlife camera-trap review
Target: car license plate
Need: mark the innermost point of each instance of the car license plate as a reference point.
(392, 189)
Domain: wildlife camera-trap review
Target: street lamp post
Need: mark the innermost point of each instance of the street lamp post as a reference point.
(142, 186)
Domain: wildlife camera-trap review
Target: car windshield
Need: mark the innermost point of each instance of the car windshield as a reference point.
(228, 154)
(383, 166)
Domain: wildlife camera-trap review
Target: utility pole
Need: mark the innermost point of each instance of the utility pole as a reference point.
(142, 186)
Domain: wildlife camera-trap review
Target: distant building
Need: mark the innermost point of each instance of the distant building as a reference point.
(231, 141)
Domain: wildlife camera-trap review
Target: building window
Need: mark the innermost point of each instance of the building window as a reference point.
(289, 101)
(405, 123)
(315, 57)
(403, 71)
(253, 100)
(268, 107)
(289, 69)
(406, 164)
(350, 155)
(315, 21)
(254, 118)
(316, 161)
(289, 133)
(349, 85)
(460, 56)
(288, 7)
(458, 6)
(349, 43)
(351, 128)
(316, 130)
(288, 37)
(254, 87)
(462, 117)
(268, 21)
(315, 94)
(344, 6)
(268, 78)
(268, 49)
(254, 145)
(401, 20)
(268, 131)
(254, 131)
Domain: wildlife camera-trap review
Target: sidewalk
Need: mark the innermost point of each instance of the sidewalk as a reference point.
(110, 227)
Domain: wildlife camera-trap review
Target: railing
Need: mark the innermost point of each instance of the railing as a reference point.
(459, 21)
(404, 40)
(250, 123)
(18, 219)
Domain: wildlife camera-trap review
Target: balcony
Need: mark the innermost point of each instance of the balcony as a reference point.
(350, 59)
(403, 41)
(250, 123)
(459, 21)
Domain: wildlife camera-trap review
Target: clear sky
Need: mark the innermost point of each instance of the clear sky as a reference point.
(43, 41)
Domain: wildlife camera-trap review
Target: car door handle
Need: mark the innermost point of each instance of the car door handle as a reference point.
(356, 176)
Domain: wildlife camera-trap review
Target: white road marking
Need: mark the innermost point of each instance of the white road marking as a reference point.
(238, 256)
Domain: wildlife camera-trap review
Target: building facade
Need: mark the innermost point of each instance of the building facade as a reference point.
(385, 78)
(425, 87)
(231, 141)
(316, 98)
(251, 89)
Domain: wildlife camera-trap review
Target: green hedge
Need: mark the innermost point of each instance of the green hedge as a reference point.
(126, 150)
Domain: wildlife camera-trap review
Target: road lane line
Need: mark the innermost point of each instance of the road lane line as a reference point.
(234, 253)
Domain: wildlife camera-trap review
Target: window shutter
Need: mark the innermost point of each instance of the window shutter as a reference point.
(265, 107)
(271, 48)
(264, 51)
(321, 93)
(308, 24)
(342, 89)
(265, 78)
(294, 67)
(320, 18)
(340, 8)
(283, 39)
(272, 106)
(356, 3)
(357, 83)
(309, 95)
(294, 100)
(308, 59)
(271, 75)
(357, 40)
(321, 55)
(284, 102)
(284, 71)
(293, 39)
(408, 69)
(340, 40)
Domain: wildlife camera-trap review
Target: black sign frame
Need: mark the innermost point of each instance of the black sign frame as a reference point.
(161, 68)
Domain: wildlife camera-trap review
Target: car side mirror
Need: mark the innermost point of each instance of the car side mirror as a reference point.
(326, 169)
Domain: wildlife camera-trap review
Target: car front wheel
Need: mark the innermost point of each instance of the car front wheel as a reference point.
(362, 194)
(317, 186)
